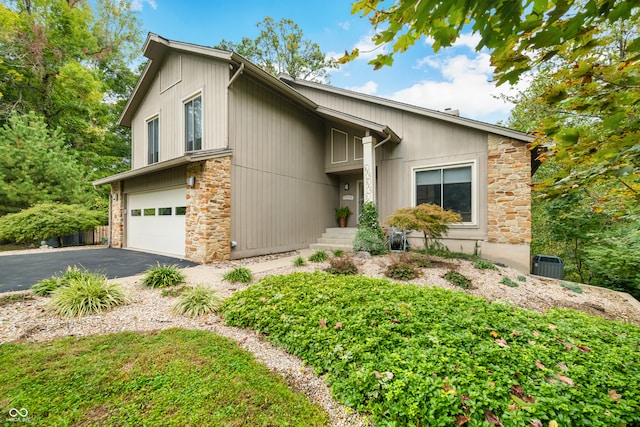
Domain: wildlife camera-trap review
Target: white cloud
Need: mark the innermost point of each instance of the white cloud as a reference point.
(368, 49)
(466, 85)
(138, 5)
(369, 88)
(344, 25)
(469, 40)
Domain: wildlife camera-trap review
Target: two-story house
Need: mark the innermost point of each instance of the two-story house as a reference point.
(229, 161)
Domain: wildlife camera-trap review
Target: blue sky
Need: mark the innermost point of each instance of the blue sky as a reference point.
(456, 77)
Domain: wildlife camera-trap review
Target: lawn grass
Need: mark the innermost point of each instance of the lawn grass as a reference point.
(172, 378)
(412, 355)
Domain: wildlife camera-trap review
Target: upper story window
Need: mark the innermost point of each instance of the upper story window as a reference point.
(153, 140)
(193, 124)
(448, 187)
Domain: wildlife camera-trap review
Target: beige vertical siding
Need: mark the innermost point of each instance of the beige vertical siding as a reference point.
(181, 77)
(281, 197)
(425, 142)
(156, 181)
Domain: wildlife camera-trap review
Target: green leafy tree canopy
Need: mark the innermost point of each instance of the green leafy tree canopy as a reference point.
(281, 48)
(591, 49)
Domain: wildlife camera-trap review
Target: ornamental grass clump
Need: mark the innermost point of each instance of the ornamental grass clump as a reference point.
(299, 262)
(89, 294)
(163, 276)
(318, 256)
(46, 286)
(239, 274)
(197, 301)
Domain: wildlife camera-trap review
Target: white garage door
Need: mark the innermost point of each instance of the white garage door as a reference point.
(156, 221)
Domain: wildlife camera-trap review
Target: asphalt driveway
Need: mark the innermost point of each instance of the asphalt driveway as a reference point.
(20, 271)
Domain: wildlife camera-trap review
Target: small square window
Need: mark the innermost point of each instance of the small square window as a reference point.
(150, 212)
(181, 210)
(136, 212)
(164, 211)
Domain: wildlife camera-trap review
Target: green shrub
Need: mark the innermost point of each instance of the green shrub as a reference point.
(412, 355)
(572, 287)
(88, 294)
(48, 220)
(457, 279)
(163, 276)
(239, 274)
(369, 241)
(197, 301)
(46, 286)
(318, 256)
(482, 264)
(338, 252)
(299, 262)
(401, 270)
(507, 281)
(342, 265)
(368, 220)
(521, 278)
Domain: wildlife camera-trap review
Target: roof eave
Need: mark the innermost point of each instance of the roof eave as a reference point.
(487, 127)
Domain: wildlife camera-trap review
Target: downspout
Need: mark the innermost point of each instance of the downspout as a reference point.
(384, 141)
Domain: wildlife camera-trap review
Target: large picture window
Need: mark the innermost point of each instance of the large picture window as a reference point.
(193, 124)
(448, 187)
(152, 140)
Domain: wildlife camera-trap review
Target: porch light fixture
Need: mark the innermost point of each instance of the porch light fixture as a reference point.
(115, 197)
(191, 181)
(346, 187)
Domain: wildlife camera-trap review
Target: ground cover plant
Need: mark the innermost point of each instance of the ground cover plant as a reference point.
(572, 287)
(239, 274)
(413, 355)
(172, 378)
(163, 276)
(507, 281)
(457, 279)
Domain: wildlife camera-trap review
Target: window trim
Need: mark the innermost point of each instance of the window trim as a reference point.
(355, 139)
(147, 121)
(474, 188)
(185, 101)
(346, 146)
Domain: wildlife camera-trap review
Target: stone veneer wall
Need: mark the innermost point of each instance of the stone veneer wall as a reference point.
(509, 194)
(208, 219)
(116, 240)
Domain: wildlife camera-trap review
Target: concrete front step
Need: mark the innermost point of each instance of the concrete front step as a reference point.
(334, 239)
(331, 247)
(339, 230)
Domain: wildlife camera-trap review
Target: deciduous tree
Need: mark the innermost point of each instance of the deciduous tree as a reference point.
(281, 48)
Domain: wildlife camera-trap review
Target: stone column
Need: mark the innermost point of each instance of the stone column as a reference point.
(116, 222)
(509, 191)
(208, 218)
(369, 168)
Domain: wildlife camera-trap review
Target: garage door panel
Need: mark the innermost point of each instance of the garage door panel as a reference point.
(156, 221)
